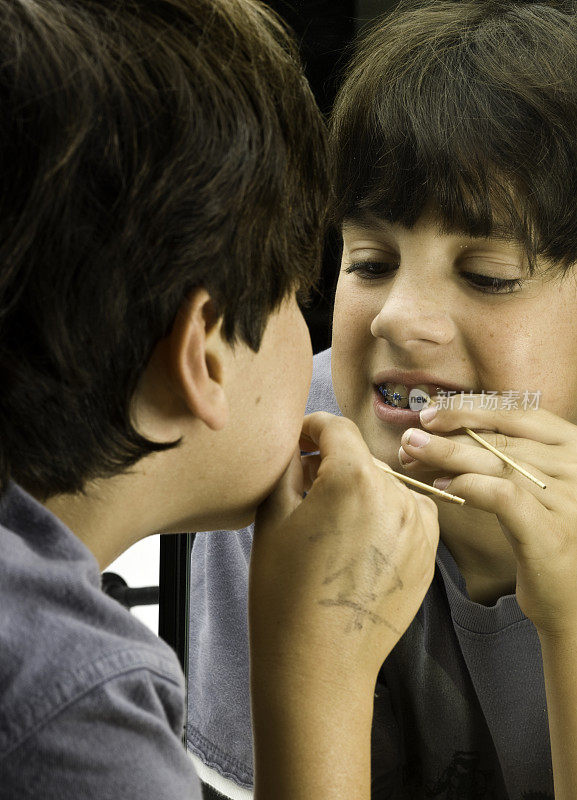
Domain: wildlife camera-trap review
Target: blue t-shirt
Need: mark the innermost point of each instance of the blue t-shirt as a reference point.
(91, 701)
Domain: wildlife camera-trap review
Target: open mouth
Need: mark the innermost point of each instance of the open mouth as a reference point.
(411, 398)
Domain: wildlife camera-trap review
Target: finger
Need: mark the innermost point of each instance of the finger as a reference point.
(285, 497)
(539, 424)
(458, 454)
(344, 455)
(335, 437)
(522, 515)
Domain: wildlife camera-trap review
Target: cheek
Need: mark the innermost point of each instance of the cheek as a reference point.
(292, 381)
(525, 356)
(552, 370)
(554, 349)
(354, 312)
(351, 343)
(300, 368)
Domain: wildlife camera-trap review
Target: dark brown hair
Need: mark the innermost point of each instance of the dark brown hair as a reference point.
(469, 109)
(146, 147)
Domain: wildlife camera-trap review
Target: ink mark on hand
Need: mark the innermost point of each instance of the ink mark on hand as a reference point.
(360, 615)
(351, 580)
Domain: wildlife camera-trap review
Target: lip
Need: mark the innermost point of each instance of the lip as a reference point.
(394, 416)
(410, 379)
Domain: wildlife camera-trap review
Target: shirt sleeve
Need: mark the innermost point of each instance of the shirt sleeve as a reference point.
(119, 740)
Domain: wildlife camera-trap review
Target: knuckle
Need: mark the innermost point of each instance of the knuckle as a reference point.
(428, 507)
(355, 475)
(321, 417)
(507, 492)
(467, 483)
(451, 447)
(399, 512)
(362, 473)
(503, 414)
(498, 440)
(506, 470)
(501, 442)
(346, 424)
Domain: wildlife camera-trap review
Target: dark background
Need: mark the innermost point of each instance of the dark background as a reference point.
(325, 30)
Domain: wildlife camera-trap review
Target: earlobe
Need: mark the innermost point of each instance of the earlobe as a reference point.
(198, 359)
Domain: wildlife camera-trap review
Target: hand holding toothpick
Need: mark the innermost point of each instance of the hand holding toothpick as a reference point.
(425, 486)
(535, 449)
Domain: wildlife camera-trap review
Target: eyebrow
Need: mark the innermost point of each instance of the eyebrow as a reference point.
(369, 222)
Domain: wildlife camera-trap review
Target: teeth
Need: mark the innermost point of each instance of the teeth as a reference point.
(398, 395)
(419, 397)
(395, 394)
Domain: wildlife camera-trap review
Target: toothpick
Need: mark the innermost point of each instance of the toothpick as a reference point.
(505, 458)
(452, 498)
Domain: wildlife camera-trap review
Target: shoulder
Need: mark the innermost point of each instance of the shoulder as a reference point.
(61, 638)
(321, 395)
(118, 738)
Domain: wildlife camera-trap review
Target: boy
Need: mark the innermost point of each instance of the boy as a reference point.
(160, 209)
(455, 156)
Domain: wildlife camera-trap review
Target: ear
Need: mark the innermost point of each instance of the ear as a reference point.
(198, 357)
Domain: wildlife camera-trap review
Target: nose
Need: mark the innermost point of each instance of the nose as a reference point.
(413, 315)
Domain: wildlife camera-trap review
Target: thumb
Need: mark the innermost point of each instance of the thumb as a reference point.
(285, 497)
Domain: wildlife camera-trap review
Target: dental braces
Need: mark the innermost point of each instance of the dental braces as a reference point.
(393, 398)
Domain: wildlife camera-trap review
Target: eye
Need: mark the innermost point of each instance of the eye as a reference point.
(372, 269)
(492, 285)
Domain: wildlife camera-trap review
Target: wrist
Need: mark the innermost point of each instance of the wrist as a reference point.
(559, 637)
(320, 647)
(323, 726)
(346, 687)
(330, 669)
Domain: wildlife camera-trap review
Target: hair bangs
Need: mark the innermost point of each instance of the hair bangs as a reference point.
(431, 120)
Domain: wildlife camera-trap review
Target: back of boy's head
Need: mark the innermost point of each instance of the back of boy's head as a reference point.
(147, 147)
(468, 110)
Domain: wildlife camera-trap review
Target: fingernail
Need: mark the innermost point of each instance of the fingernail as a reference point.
(416, 437)
(442, 483)
(427, 414)
(404, 458)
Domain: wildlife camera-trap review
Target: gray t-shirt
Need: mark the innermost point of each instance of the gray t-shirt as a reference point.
(91, 701)
(460, 710)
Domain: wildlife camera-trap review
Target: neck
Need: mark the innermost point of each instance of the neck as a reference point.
(175, 491)
(107, 518)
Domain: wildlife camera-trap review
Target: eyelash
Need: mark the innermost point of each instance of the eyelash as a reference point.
(493, 285)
